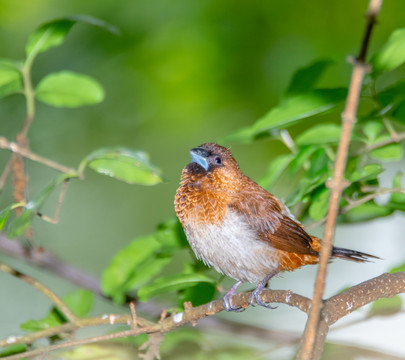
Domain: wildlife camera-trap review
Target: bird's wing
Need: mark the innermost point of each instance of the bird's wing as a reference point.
(272, 220)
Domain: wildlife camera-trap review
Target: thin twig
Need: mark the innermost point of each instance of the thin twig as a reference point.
(62, 193)
(57, 301)
(307, 350)
(17, 149)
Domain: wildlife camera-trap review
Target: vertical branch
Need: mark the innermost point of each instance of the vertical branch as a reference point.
(310, 347)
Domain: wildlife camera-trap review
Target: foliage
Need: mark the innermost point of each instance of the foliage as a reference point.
(144, 268)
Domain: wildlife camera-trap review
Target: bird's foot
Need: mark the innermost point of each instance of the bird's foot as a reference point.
(227, 299)
(229, 306)
(255, 299)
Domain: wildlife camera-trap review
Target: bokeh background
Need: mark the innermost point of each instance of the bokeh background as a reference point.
(180, 73)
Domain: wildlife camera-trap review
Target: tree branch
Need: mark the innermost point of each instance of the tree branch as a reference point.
(336, 307)
(307, 349)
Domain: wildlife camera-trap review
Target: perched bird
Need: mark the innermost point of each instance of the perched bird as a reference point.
(240, 229)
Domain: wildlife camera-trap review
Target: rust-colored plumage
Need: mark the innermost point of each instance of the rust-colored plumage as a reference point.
(237, 227)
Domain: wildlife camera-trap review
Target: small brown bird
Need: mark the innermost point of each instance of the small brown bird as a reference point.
(240, 229)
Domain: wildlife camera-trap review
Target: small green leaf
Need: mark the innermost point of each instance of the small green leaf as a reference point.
(400, 268)
(48, 35)
(125, 266)
(10, 78)
(320, 134)
(390, 152)
(69, 89)
(23, 222)
(299, 107)
(391, 55)
(305, 186)
(275, 169)
(319, 204)
(291, 110)
(308, 76)
(368, 172)
(199, 294)
(53, 33)
(13, 349)
(385, 306)
(372, 130)
(133, 167)
(52, 319)
(302, 159)
(80, 302)
(398, 113)
(366, 212)
(172, 283)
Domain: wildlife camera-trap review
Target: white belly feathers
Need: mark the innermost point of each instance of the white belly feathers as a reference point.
(233, 248)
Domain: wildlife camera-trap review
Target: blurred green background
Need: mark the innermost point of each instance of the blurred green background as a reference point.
(180, 73)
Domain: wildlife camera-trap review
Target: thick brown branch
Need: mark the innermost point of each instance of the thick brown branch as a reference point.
(307, 349)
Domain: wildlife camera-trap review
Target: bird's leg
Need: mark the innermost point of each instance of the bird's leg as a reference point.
(256, 293)
(227, 299)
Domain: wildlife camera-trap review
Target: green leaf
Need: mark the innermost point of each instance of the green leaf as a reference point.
(368, 172)
(52, 319)
(275, 169)
(13, 349)
(385, 306)
(399, 113)
(172, 283)
(10, 78)
(80, 302)
(69, 89)
(320, 134)
(290, 111)
(319, 204)
(400, 268)
(23, 222)
(366, 212)
(133, 167)
(390, 152)
(305, 186)
(372, 130)
(4, 215)
(199, 294)
(53, 33)
(391, 55)
(299, 107)
(302, 159)
(391, 95)
(125, 265)
(308, 76)
(170, 235)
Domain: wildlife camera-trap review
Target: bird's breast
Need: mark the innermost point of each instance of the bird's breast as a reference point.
(232, 247)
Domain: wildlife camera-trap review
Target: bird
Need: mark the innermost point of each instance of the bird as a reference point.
(240, 229)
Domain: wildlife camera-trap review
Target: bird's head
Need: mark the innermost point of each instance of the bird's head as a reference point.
(214, 161)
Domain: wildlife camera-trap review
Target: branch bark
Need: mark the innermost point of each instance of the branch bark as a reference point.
(336, 307)
(307, 349)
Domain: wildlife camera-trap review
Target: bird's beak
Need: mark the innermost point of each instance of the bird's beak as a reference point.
(200, 156)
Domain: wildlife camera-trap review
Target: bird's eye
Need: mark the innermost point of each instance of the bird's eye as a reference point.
(218, 160)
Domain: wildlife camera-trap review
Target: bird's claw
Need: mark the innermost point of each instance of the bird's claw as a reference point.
(255, 300)
(228, 305)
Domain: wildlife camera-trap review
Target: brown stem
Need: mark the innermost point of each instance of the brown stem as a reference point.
(24, 152)
(307, 349)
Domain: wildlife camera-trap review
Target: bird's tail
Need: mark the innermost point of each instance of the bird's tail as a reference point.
(352, 255)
